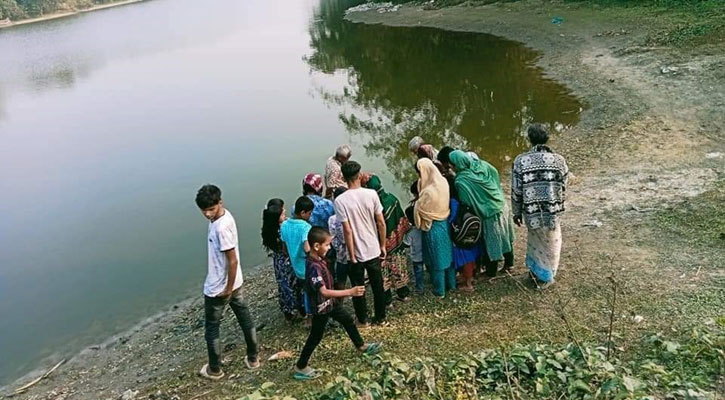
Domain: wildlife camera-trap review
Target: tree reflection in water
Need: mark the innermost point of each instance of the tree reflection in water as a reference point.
(462, 89)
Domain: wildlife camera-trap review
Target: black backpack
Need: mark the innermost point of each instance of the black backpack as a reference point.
(466, 232)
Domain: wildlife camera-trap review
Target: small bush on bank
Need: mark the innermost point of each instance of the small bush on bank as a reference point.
(663, 369)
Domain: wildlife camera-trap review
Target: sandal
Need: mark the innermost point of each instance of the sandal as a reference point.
(301, 375)
(205, 373)
(373, 348)
(251, 364)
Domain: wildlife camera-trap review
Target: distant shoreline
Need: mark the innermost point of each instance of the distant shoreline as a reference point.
(68, 14)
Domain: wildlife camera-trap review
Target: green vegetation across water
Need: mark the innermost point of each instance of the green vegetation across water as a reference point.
(21, 9)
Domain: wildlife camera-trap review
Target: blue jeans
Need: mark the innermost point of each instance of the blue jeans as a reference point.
(303, 300)
(419, 280)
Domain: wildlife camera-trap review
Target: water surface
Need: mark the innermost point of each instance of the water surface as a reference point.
(110, 121)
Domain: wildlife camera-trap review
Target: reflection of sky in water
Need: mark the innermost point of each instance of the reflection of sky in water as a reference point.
(55, 53)
(125, 113)
(110, 121)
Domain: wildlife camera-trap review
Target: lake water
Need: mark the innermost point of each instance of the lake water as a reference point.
(110, 121)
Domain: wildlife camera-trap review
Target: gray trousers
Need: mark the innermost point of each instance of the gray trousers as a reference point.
(213, 312)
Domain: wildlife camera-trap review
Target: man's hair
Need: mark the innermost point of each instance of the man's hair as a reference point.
(303, 204)
(339, 191)
(444, 154)
(414, 188)
(208, 196)
(410, 214)
(350, 170)
(415, 143)
(317, 235)
(538, 134)
(307, 189)
(343, 151)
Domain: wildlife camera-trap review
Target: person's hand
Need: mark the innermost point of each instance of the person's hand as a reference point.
(517, 220)
(357, 291)
(226, 293)
(383, 253)
(353, 260)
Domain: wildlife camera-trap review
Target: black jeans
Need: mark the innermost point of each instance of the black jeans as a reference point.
(213, 312)
(319, 322)
(341, 273)
(357, 278)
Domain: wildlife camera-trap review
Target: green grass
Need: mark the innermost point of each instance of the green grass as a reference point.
(683, 22)
(667, 368)
(657, 269)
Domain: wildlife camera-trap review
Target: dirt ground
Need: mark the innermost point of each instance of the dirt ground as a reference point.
(645, 207)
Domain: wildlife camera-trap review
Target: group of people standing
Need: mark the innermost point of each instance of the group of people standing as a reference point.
(345, 226)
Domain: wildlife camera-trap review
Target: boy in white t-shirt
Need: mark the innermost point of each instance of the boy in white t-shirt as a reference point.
(223, 285)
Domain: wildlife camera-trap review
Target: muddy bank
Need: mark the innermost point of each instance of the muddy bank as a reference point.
(67, 14)
(653, 130)
(648, 156)
(163, 347)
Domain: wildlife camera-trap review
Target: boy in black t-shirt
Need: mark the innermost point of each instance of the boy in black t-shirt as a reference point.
(325, 304)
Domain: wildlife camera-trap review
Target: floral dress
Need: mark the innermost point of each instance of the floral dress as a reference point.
(286, 283)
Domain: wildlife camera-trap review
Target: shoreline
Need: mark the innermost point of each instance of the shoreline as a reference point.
(614, 151)
(54, 16)
(158, 319)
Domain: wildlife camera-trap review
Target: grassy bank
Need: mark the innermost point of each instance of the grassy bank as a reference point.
(667, 369)
(692, 21)
(661, 241)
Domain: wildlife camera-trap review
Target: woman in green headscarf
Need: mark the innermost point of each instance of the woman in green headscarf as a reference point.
(479, 187)
(395, 265)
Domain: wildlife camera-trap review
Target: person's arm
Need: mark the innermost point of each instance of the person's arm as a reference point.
(380, 222)
(232, 262)
(349, 241)
(517, 195)
(356, 291)
(565, 175)
(306, 247)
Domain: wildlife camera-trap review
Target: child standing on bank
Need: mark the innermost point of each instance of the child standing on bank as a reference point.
(414, 241)
(223, 285)
(293, 233)
(464, 259)
(325, 304)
